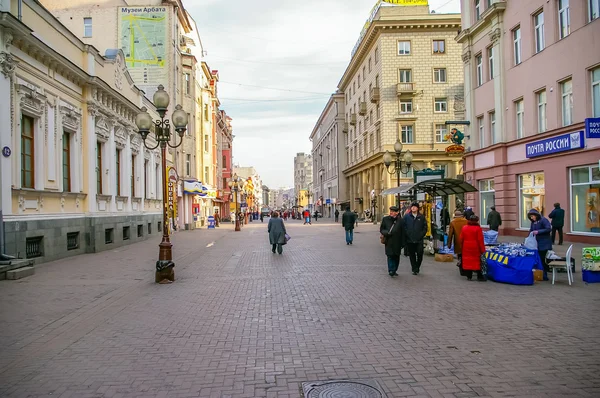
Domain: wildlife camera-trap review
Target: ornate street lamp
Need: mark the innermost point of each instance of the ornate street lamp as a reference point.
(162, 132)
(397, 163)
(236, 184)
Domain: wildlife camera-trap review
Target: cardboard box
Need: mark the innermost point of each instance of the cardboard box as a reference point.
(444, 258)
(538, 275)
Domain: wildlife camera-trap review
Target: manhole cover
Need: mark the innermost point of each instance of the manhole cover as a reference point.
(343, 389)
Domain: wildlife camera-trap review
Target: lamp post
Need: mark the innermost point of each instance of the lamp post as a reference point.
(397, 164)
(162, 132)
(236, 184)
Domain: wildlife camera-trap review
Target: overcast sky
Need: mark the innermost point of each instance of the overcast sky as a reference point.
(279, 61)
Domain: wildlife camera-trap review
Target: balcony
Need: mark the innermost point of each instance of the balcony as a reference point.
(406, 88)
(374, 94)
(353, 119)
(362, 108)
(345, 127)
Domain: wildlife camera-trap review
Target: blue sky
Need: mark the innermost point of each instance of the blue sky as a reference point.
(279, 61)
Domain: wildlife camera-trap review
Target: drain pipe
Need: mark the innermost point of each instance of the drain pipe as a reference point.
(20, 9)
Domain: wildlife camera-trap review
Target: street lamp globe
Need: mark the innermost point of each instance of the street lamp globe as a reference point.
(408, 157)
(180, 120)
(230, 183)
(398, 147)
(387, 158)
(143, 121)
(161, 100)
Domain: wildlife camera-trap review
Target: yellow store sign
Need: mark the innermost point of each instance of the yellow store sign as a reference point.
(408, 2)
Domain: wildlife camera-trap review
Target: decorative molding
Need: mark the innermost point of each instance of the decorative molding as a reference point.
(31, 101)
(71, 119)
(102, 129)
(8, 38)
(120, 136)
(495, 35)
(466, 57)
(7, 64)
(136, 143)
(92, 109)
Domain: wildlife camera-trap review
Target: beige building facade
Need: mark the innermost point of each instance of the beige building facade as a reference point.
(404, 81)
(303, 178)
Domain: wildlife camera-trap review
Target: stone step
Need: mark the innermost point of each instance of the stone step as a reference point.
(20, 273)
(13, 264)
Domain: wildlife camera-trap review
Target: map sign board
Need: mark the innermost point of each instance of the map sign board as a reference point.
(143, 39)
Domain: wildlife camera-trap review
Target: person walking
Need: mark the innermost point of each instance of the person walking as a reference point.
(262, 217)
(456, 227)
(415, 229)
(337, 215)
(393, 237)
(348, 220)
(471, 241)
(541, 228)
(557, 215)
(468, 212)
(316, 215)
(276, 230)
(306, 215)
(493, 219)
(356, 217)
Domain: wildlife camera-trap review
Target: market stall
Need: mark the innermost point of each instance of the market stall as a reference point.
(512, 263)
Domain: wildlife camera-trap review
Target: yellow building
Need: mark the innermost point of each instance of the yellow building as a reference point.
(404, 81)
(75, 176)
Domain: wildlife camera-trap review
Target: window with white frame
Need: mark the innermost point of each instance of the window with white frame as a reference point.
(440, 133)
(440, 105)
(477, 10)
(481, 128)
(519, 111)
(490, 52)
(538, 22)
(531, 196)
(595, 92)
(188, 165)
(566, 91)
(439, 46)
(517, 45)
(487, 199)
(493, 126)
(479, 62)
(407, 134)
(87, 27)
(439, 75)
(404, 47)
(594, 7)
(406, 106)
(541, 111)
(564, 19)
(585, 199)
(405, 76)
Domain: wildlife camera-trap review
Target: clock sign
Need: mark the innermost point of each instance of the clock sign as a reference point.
(6, 151)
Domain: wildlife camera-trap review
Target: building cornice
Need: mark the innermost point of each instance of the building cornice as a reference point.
(486, 20)
(326, 110)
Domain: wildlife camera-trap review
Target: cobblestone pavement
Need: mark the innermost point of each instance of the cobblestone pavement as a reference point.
(242, 322)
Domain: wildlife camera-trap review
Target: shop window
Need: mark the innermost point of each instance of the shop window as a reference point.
(531, 196)
(487, 199)
(585, 199)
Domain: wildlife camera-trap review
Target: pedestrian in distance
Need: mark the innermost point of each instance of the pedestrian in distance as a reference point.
(348, 221)
(276, 230)
(456, 227)
(493, 219)
(356, 217)
(473, 247)
(262, 217)
(541, 228)
(557, 215)
(468, 213)
(316, 215)
(337, 215)
(415, 229)
(306, 215)
(392, 235)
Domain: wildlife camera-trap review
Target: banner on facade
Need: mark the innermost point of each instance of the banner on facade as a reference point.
(172, 191)
(592, 127)
(408, 2)
(560, 143)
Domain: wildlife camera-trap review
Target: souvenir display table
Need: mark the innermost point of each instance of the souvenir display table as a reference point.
(512, 263)
(590, 264)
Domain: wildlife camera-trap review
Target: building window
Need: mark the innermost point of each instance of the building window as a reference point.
(372, 142)
(490, 52)
(439, 46)
(188, 84)
(404, 48)
(585, 199)
(87, 27)
(405, 76)
(205, 142)
(118, 171)
(99, 168)
(27, 152)
(517, 45)
(133, 160)
(481, 128)
(358, 80)
(66, 162)
(376, 55)
(566, 90)
(364, 73)
(564, 19)
(371, 117)
(538, 22)
(377, 138)
(439, 75)
(479, 62)
(206, 174)
(378, 110)
(377, 81)
(206, 112)
(440, 105)
(407, 134)
(532, 193)
(406, 106)
(487, 199)
(541, 110)
(188, 165)
(493, 126)
(370, 66)
(477, 10)
(519, 110)
(440, 133)
(596, 92)
(594, 6)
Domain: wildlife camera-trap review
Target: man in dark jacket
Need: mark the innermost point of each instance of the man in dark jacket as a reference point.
(541, 228)
(391, 230)
(348, 220)
(415, 229)
(337, 215)
(493, 219)
(558, 222)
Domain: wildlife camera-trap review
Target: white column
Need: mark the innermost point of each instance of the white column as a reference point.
(110, 165)
(126, 172)
(7, 64)
(89, 130)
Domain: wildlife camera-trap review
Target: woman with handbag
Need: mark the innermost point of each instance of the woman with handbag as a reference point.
(473, 248)
(277, 232)
(393, 238)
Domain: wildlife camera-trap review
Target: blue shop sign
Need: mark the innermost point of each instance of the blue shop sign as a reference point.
(561, 143)
(592, 127)
(327, 201)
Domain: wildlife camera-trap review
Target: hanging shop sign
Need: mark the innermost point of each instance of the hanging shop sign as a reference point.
(592, 127)
(560, 143)
(172, 191)
(193, 187)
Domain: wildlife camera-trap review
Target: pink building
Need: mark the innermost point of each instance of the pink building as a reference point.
(532, 80)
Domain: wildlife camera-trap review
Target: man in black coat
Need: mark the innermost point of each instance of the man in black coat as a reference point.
(391, 230)
(348, 221)
(558, 222)
(414, 225)
(493, 219)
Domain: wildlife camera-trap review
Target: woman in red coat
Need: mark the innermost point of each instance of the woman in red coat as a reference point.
(471, 239)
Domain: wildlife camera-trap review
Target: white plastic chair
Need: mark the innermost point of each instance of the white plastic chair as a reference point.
(566, 266)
